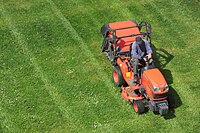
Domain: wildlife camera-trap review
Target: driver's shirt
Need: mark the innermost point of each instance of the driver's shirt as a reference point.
(139, 52)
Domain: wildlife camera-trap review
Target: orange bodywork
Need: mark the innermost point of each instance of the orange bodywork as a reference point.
(154, 77)
(128, 95)
(128, 75)
(124, 43)
(150, 78)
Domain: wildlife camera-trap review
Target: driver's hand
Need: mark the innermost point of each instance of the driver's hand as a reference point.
(145, 59)
(149, 56)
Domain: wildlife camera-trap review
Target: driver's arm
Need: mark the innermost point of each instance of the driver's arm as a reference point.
(148, 48)
(134, 51)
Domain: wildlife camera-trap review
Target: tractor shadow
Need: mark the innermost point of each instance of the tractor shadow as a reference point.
(161, 59)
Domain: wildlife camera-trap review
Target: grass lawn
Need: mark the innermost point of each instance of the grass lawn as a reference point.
(54, 77)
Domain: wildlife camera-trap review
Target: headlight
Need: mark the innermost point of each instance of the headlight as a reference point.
(166, 88)
(156, 89)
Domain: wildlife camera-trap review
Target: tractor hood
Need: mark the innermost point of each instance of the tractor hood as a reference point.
(155, 78)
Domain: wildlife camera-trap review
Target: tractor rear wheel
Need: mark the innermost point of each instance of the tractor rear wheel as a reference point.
(118, 77)
(138, 106)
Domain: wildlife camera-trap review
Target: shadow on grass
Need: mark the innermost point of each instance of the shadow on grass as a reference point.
(175, 103)
(162, 58)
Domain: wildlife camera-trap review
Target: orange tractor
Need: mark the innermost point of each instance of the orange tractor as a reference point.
(151, 90)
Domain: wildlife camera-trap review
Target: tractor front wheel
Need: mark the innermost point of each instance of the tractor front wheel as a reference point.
(138, 106)
(118, 77)
(171, 101)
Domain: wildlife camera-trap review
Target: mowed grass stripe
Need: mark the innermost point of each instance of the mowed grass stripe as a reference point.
(83, 46)
(6, 123)
(61, 104)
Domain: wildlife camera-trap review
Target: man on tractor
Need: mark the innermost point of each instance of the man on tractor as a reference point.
(141, 52)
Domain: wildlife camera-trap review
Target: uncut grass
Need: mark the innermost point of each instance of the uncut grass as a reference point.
(25, 102)
(32, 90)
(92, 104)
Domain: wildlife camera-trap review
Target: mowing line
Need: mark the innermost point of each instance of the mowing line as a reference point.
(82, 45)
(52, 90)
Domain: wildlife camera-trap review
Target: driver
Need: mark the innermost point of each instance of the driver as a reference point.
(141, 52)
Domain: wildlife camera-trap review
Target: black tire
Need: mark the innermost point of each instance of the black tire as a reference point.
(171, 101)
(118, 77)
(138, 106)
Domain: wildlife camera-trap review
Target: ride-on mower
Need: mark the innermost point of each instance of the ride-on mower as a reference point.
(150, 90)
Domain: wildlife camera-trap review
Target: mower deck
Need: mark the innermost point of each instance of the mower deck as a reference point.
(129, 94)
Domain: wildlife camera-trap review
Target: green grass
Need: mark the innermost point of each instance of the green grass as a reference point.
(55, 79)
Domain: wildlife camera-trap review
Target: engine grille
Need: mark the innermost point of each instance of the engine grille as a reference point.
(159, 95)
